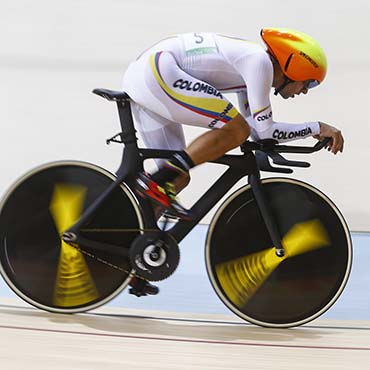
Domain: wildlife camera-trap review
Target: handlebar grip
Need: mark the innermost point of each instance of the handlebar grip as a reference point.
(321, 144)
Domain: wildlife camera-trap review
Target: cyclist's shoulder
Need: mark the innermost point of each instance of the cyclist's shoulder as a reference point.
(243, 44)
(236, 48)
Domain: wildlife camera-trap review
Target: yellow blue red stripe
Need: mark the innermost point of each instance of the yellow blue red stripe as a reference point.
(257, 112)
(205, 106)
(233, 87)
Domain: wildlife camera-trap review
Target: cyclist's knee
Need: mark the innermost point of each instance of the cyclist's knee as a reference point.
(239, 128)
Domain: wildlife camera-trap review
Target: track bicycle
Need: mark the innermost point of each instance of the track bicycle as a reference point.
(72, 235)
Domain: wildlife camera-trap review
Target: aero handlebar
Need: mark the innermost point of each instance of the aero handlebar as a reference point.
(270, 145)
(270, 148)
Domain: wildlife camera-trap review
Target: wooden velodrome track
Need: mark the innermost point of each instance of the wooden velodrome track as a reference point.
(115, 338)
(146, 337)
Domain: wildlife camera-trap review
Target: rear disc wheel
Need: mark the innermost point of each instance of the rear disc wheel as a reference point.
(47, 272)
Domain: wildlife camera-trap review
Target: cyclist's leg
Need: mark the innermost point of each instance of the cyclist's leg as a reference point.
(158, 132)
(213, 144)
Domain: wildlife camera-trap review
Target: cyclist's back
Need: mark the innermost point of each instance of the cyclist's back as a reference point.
(216, 59)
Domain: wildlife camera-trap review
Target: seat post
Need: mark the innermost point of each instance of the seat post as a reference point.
(131, 162)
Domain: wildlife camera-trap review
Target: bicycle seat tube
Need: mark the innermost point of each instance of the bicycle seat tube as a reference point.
(131, 164)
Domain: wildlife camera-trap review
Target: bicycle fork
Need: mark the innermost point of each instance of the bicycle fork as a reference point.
(255, 182)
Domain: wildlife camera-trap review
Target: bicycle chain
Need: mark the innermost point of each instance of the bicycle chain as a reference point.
(98, 259)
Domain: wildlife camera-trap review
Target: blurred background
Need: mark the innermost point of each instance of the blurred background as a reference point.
(54, 53)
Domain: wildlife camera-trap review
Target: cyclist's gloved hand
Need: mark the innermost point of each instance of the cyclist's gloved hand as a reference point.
(337, 141)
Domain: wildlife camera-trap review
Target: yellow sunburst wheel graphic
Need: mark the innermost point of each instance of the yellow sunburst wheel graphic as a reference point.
(242, 277)
(74, 284)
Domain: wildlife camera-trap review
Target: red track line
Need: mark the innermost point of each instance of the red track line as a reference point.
(247, 344)
(202, 321)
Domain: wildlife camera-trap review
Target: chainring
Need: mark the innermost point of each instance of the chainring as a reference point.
(154, 256)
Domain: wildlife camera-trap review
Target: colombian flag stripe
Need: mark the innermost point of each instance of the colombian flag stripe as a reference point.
(205, 106)
(257, 112)
(233, 88)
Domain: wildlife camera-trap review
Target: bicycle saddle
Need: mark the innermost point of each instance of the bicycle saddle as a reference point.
(112, 95)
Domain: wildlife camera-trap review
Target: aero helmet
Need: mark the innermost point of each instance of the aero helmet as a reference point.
(300, 57)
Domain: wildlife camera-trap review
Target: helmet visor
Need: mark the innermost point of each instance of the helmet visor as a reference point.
(310, 84)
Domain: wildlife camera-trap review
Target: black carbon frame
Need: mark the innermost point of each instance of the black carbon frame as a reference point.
(239, 166)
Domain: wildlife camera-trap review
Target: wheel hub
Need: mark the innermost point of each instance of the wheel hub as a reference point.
(154, 256)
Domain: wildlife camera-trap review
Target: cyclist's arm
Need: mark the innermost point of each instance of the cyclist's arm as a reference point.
(257, 72)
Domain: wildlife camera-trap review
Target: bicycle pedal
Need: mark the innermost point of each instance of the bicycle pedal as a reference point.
(142, 288)
(137, 293)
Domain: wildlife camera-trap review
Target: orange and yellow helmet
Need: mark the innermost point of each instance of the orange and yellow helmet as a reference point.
(300, 56)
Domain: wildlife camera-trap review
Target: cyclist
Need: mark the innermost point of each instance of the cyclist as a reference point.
(182, 80)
